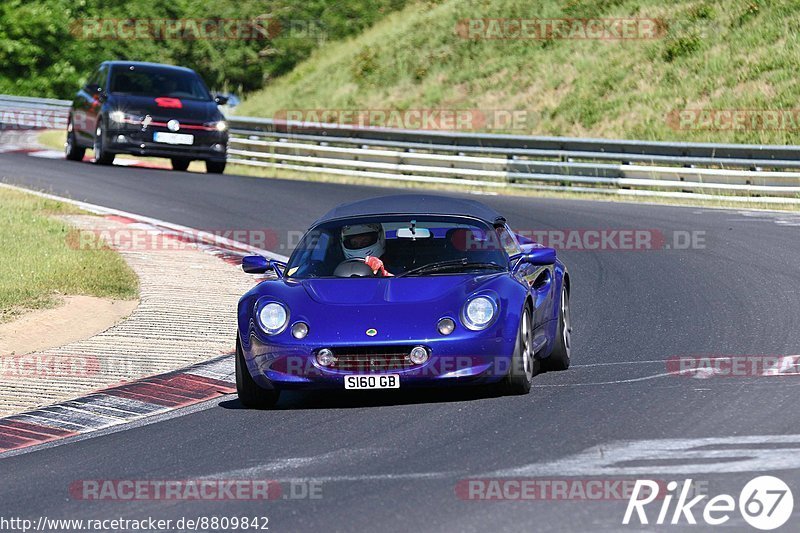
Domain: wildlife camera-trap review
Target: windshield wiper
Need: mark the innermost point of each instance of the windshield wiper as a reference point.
(439, 266)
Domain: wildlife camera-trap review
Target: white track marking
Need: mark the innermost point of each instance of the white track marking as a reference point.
(356, 456)
(615, 382)
(650, 362)
(47, 154)
(757, 453)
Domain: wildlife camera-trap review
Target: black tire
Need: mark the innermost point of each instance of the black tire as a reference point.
(250, 394)
(559, 358)
(523, 364)
(72, 151)
(215, 167)
(180, 163)
(101, 156)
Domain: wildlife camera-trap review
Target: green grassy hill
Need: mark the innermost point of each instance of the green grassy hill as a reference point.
(46, 49)
(737, 54)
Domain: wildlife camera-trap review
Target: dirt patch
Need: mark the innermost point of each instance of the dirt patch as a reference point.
(77, 318)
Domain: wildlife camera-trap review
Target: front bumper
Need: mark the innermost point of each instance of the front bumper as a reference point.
(133, 139)
(467, 358)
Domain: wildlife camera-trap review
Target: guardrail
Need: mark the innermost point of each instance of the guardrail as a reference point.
(642, 168)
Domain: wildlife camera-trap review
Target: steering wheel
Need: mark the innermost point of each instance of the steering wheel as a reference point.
(353, 268)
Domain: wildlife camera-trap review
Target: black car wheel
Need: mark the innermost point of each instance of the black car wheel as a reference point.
(559, 358)
(180, 163)
(523, 365)
(215, 167)
(250, 394)
(72, 151)
(101, 156)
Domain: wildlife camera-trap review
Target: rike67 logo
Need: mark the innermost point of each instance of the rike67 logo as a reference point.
(765, 503)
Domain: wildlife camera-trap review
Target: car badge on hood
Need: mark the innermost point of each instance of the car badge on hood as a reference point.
(371, 332)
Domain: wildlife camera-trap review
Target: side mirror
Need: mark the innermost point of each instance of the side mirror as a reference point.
(255, 264)
(536, 255)
(92, 88)
(220, 99)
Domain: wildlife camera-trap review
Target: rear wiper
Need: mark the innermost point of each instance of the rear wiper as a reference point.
(438, 266)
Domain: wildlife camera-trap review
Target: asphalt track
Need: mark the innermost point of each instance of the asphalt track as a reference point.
(392, 462)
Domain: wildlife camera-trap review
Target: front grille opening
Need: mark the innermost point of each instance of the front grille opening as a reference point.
(372, 358)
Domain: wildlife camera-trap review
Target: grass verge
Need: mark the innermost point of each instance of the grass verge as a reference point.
(37, 263)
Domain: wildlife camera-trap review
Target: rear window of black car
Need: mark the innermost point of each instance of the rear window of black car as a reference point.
(155, 82)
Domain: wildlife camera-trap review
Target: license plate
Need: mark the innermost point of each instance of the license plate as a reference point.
(173, 138)
(380, 381)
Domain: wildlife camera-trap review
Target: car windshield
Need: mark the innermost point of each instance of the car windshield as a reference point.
(408, 246)
(155, 82)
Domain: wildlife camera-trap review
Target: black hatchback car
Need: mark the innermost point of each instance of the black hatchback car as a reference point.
(147, 109)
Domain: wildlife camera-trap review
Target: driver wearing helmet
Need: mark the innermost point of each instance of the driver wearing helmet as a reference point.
(366, 242)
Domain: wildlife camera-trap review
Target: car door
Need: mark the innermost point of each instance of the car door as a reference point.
(538, 279)
(87, 104)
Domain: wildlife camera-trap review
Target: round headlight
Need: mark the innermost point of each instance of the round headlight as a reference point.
(221, 125)
(479, 312)
(273, 318)
(117, 116)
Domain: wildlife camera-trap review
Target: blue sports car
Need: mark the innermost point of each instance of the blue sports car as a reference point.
(403, 291)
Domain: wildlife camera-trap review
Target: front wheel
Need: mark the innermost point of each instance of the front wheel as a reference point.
(523, 365)
(559, 358)
(72, 151)
(215, 167)
(101, 156)
(250, 394)
(180, 163)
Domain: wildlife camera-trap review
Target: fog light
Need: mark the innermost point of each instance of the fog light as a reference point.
(418, 355)
(120, 138)
(325, 357)
(446, 326)
(218, 148)
(300, 330)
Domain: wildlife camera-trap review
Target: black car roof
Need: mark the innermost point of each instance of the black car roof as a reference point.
(414, 204)
(118, 63)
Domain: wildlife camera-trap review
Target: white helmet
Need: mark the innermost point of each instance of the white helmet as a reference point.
(361, 240)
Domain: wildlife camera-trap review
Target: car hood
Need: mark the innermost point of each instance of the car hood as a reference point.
(194, 110)
(341, 310)
(366, 291)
